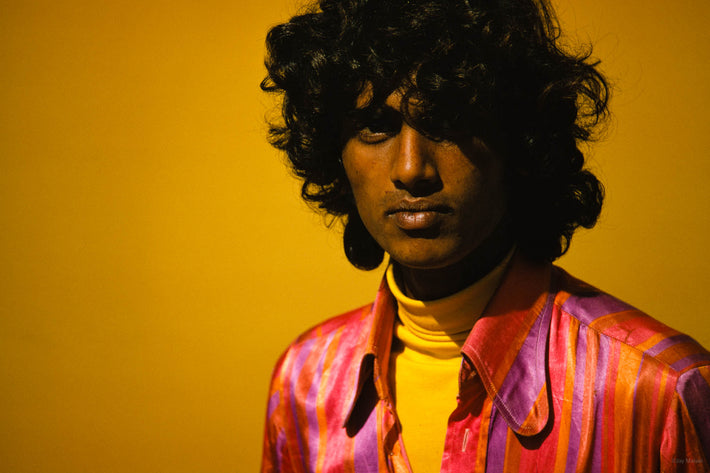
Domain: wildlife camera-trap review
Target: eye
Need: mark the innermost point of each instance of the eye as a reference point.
(379, 126)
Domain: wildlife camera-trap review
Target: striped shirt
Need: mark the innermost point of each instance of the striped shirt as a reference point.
(556, 376)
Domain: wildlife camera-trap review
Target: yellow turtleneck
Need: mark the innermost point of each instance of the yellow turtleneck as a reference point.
(425, 362)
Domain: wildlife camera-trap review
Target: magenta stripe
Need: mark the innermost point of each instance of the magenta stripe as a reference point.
(273, 403)
(589, 308)
(683, 363)
(497, 438)
(295, 374)
(365, 460)
(577, 399)
(667, 343)
(598, 400)
(312, 407)
(526, 377)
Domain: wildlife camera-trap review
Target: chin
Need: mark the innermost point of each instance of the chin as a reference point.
(426, 253)
(425, 260)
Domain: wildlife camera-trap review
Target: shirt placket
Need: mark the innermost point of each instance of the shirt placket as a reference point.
(395, 456)
(465, 424)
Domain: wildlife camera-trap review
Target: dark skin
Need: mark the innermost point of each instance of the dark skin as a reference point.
(431, 284)
(436, 206)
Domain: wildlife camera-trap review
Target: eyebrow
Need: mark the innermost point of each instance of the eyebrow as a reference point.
(374, 110)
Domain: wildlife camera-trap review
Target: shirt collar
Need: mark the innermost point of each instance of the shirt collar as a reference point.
(374, 346)
(507, 347)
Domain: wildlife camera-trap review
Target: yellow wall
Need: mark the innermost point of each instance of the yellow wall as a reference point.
(155, 257)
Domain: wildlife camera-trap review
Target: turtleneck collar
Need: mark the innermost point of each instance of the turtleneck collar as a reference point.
(439, 328)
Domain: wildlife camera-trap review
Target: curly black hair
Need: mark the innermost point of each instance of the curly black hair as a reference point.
(494, 69)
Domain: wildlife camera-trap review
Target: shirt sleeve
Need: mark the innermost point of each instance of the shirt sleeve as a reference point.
(274, 448)
(685, 445)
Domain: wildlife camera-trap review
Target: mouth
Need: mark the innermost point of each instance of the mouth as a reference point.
(417, 215)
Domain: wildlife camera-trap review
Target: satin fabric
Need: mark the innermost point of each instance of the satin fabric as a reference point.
(556, 376)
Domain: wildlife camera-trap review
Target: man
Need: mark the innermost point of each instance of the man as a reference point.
(446, 133)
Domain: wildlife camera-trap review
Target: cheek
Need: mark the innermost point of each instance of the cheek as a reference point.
(362, 174)
(367, 205)
(487, 207)
(355, 179)
(480, 196)
(352, 166)
(361, 200)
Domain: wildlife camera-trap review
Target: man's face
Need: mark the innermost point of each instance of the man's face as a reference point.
(427, 203)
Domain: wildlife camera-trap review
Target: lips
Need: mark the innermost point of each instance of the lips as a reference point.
(417, 214)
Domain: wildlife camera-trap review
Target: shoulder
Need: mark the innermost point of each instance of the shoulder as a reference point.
(623, 324)
(321, 344)
(348, 324)
(664, 371)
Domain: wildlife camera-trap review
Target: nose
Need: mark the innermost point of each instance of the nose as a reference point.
(414, 165)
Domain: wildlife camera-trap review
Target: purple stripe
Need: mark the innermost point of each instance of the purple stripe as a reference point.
(295, 374)
(366, 454)
(599, 389)
(526, 377)
(690, 360)
(576, 413)
(273, 403)
(497, 438)
(667, 343)
(695, 393)
(312, 407)
(589, 308)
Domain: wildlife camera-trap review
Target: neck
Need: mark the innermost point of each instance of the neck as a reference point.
(431, 284)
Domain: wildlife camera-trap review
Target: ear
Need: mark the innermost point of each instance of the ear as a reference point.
(360, 248)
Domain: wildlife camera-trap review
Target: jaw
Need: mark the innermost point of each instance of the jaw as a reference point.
(435, 268)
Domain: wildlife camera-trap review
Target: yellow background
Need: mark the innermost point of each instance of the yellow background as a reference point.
(155, 256)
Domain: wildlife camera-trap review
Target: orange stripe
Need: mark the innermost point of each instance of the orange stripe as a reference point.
(546, 454)
(660, 405)
(677, 352)
(669, 396)
(349, 447)
(584, 456)
(654, 339)
(566, 412)
(482, 447)
(322, 392)
(636, 330)
(705, 374)
(607, 321)
(310, 366)
(533, 414)
(292, 437)
(644, 407)
(561, 298)
(522, 321)
(623, 406)
(381, 459)
(511, 461)
(615, 318)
